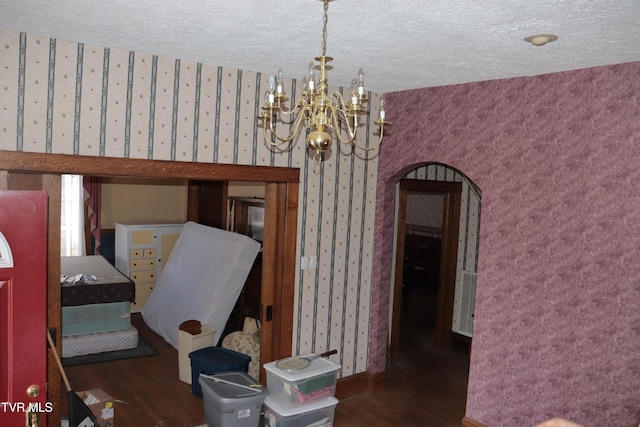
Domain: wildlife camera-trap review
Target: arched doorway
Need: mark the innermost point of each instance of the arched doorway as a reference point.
(428, 354)
(437, 237)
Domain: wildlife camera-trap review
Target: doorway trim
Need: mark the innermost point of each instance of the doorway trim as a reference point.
(452, 192)
(23, 169)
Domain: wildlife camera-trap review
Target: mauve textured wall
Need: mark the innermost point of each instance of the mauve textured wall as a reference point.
(557, 157)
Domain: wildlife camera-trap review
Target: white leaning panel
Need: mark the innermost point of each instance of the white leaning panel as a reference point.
(201, 281)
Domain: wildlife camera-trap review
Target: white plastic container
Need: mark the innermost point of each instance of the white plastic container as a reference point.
(318, 413)
(188, 343)
(293, 389)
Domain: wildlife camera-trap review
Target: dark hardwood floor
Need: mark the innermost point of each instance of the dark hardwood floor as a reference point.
(147, 390)
(426, 388)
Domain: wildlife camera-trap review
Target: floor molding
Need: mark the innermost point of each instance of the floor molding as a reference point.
(364, 382)
(468, 422)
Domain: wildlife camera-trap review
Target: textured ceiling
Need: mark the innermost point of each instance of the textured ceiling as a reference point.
(401, 45)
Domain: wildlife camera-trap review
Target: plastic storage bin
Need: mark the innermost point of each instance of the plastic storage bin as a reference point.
(316, 381)
(188, 343)
(227, 405)
(318, 413)
(212, 360)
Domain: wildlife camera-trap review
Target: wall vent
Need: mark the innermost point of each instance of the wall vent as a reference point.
(465, 305)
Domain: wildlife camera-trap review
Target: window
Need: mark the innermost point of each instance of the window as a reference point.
(72, 217)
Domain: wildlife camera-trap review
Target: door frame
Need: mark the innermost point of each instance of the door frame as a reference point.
(452, 192)
(22, 170)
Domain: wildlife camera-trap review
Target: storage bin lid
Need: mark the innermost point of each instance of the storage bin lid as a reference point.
(314, 405)
(222, 392)
(221, 356)
(319, 366)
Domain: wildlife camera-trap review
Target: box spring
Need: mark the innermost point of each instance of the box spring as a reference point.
(92, 318)
(78, 345)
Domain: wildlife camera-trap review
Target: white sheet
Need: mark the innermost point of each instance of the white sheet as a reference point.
(202, 280)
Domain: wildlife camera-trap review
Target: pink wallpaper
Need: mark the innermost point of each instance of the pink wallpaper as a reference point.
(557, 157)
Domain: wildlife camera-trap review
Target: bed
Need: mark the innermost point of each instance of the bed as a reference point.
(95, 299)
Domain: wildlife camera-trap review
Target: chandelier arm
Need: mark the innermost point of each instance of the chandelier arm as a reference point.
(288, 112)
(338, 102)
(346, 123)
(266, 136)
(374, 146)
(290, 137)
(299, 106)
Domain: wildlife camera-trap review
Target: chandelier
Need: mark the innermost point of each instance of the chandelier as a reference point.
(324, 116)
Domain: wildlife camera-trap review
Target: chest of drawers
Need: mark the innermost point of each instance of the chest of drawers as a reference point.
(142, 251)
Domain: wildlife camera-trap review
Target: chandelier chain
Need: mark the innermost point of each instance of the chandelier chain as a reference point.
(324, 27)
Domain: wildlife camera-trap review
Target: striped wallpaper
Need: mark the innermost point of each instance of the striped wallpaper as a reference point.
(71, 98)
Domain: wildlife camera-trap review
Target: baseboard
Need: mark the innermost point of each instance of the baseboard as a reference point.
(364, 382)
(468, 422)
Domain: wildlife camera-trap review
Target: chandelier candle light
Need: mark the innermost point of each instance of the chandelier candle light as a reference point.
(323, 115)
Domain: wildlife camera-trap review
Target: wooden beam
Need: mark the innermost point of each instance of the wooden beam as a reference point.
(112, 166)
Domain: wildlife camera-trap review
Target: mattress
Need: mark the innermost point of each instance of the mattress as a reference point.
(201, 280)
(98, 282)
(91, 318)
(79, 345)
